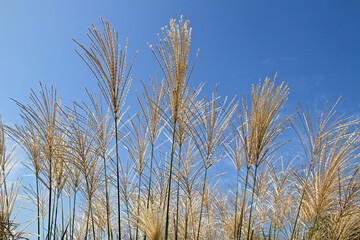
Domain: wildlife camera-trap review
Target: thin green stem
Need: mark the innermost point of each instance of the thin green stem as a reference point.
(186, 218)
(151, 166)
(178, 194)
(38, 204)
(300, 204)
(236, 204)
(243, 204)
(127, 211)
(56, 201)
(251, 203)
(53, 210)
(92, 222)
(117, 175)
(70, 217)
(88, 210)
(107, 200)
(50, 191)
(73, 217)
(138, 207)
(87, 223)
(62, 215)
(169, 183)
(202, 203)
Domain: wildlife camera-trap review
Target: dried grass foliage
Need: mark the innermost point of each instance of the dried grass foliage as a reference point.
(102, 174)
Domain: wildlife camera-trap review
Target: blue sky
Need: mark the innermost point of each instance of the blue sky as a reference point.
(313, 45)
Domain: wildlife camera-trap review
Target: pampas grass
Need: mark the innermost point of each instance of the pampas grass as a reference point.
(165, 183)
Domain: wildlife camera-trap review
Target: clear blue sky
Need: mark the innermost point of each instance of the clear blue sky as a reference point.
(313, 45)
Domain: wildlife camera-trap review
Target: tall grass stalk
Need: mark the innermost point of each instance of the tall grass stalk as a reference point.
(106, 60)
(104, 130)
(44, 113)
(316, 140)
(209, 136)
(28, 136)
(173, 60)
(136, 143)
(151, 108)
